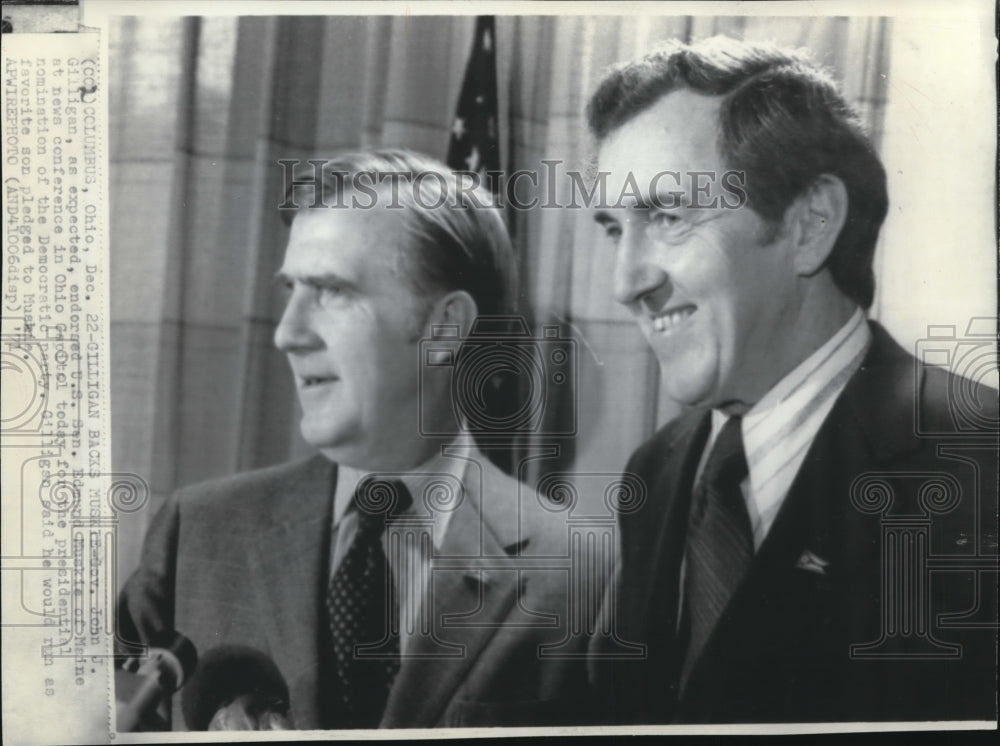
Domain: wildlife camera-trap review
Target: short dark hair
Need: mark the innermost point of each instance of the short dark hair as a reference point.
(460, 239)
(783, 122)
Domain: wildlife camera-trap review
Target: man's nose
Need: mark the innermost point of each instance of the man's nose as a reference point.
(295, 329)
(635, 274)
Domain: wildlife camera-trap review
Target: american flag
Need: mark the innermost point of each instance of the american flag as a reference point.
(474, 144)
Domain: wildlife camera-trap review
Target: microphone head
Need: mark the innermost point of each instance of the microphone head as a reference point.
(185, 657)
(228, 672)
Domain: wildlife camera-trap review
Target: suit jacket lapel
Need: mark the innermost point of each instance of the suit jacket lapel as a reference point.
(765, 614)
(869, 423)
(673, 485)
(288, 571)
(652, 544)
(470, 597)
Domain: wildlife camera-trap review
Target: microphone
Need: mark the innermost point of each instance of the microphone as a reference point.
(236, 688)
(171, 660)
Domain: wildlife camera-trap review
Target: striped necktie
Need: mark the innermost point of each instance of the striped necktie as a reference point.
(719, 540)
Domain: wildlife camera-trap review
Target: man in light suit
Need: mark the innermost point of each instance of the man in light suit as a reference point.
(819, 541)
(471, 631)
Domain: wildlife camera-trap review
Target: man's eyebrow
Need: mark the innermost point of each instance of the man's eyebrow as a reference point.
(603, 217)
(671, 198)
(320, 279)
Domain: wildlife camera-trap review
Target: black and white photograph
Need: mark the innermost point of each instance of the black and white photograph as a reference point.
(580, 367)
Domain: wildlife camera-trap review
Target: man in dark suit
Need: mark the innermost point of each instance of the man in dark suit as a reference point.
(819, 540)
(393, 577)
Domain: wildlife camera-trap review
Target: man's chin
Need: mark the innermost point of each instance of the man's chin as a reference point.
(322, 439)
(709, 399)
(687, 390)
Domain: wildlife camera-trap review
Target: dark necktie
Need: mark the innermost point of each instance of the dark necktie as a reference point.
(719, 540)
(360, 600)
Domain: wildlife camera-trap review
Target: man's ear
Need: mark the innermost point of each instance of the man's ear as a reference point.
(818, 216)
(456, 308)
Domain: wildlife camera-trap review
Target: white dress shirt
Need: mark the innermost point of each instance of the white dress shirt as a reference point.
(411, 590)
(780, 428)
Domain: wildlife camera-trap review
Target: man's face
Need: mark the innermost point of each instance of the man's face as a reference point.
(351, 330)
(713, 297)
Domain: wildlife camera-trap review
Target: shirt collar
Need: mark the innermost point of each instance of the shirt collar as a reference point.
(780, 427)
(812, 374)
(449, 460)
(807, 378)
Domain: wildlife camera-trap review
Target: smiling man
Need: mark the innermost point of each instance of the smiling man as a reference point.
(386, 576)
(761, 574)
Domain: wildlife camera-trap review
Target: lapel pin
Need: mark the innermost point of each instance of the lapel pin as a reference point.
(812, 563)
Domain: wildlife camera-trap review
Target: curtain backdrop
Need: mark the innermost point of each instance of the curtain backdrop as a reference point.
(203, 108)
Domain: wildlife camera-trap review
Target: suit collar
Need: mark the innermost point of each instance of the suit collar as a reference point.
(305, 490)
(433, 485)
(884, 395)
(487, 520)
(687, 431)
(471, 594)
